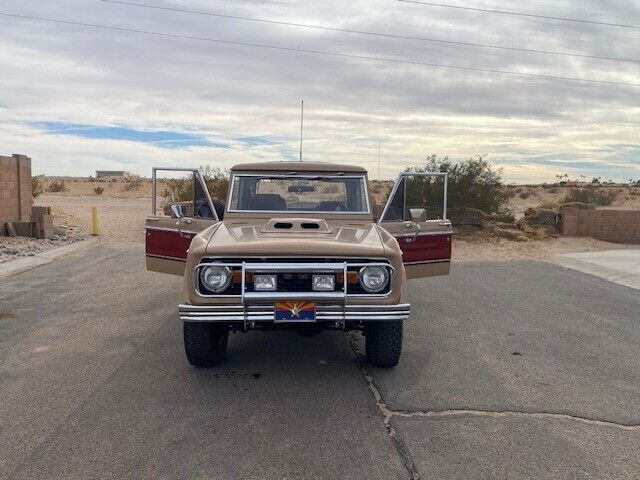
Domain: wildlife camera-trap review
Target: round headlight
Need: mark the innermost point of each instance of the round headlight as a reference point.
(215, 278)
(373, 279)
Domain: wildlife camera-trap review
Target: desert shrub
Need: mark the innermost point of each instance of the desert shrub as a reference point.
(524, 195)
(98, 190)
(37, 188)
(181, 189)
(114, 180)
(132, 183)
(592, 196)
(553, 190)
(56, 186)
(473, 183)
(91, 179)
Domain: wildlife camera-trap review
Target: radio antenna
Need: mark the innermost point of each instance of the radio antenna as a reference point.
(301, 123)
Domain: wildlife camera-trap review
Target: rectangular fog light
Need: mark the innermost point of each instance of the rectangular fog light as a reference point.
(323, 283)
(264, 283)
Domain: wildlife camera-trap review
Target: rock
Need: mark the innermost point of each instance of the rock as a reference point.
(55, 238)
(466, 216)
(508, 226)
(579, 205)
(501, 217)
(540, 217)
(511, 235)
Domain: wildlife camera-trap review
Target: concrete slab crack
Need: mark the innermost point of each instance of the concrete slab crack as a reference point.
(452, 413)
(398, 444)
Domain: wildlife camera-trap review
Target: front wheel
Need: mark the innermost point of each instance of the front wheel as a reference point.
(384, 343)
(205, 344)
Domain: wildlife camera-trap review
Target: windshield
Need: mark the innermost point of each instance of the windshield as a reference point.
(296, 193)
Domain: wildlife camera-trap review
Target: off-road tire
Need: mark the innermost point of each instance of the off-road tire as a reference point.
(383, 343)
(205, 344)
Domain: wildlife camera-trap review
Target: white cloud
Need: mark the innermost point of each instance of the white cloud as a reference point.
(533, 128)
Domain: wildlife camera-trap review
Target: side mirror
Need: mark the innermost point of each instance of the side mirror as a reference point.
(178, 210)
(418, 215)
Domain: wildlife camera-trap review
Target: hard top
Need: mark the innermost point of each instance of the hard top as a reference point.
(285, 167)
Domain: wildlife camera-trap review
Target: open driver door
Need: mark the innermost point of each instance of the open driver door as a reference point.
(416, 214)
(168, 235)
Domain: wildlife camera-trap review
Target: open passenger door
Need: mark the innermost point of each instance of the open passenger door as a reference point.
(169, 234)
(416, 214)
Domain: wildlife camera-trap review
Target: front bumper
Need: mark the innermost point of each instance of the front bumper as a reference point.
(254, 314)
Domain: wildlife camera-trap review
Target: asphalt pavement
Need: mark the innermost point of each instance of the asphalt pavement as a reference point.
(510, 370)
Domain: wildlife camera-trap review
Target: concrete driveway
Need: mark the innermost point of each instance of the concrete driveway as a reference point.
(618, 266)
(510, 370)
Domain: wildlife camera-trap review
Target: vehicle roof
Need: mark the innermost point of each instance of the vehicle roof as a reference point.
(297, 167)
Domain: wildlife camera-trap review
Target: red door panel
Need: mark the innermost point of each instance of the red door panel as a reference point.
(168, 244)
(425, 248)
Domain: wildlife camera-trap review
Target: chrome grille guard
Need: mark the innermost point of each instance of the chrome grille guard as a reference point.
(257, 307)
(266, 313)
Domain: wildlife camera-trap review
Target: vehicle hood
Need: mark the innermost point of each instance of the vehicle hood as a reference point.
(342, 239)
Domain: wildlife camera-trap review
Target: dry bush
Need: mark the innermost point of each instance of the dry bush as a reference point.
(98, 190)
(132, 183)
(56, 186)
(181, 189)
(473, 183)
(525, 195)
(592, 196)
(37, 188)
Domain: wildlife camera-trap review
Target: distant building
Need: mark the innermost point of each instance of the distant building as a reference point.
(110, 173)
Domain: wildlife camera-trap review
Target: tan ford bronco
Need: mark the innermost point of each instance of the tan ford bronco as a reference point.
(296, 246)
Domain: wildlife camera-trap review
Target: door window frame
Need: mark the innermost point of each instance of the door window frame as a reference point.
(399, 178)
(197, 177)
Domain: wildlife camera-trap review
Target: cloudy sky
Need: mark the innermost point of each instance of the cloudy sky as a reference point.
(78, 98)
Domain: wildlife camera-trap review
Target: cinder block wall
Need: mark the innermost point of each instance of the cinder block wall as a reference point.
(15, 189)
(621, 226)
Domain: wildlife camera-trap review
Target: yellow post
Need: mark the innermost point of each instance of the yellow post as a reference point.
(94, 213)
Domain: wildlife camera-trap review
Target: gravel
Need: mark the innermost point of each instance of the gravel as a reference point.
(66, 231)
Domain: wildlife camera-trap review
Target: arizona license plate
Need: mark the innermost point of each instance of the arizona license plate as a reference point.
(295, 311)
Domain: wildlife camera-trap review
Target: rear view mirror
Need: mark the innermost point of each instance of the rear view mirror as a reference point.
(178, 210)
(418, 215)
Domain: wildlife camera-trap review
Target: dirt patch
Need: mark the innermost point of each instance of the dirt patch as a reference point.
(483, 246)
(119, 219)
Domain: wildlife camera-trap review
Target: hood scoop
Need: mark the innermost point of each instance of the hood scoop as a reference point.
(297, 225)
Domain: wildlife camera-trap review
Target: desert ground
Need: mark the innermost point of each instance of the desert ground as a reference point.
(521, 196)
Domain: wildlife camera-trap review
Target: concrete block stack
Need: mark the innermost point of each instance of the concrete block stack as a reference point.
(16, 199)
(42, 222)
